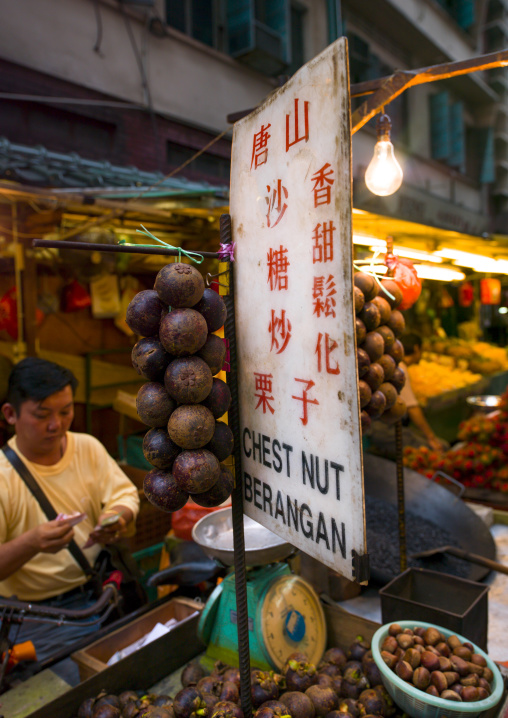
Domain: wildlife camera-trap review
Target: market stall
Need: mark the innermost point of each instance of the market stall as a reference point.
(298, 398)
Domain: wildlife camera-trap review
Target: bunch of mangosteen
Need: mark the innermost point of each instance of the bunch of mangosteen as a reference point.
(182, 399)
(379, 351)
(342, 685)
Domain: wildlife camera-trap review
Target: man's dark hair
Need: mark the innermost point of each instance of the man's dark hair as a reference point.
(410, 341)
(36, 379)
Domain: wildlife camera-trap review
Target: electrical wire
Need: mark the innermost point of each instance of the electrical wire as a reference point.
(98, 21)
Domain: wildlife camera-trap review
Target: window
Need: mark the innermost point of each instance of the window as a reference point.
(448, 130)
(198, 18)
(462, 11)
(297, 13)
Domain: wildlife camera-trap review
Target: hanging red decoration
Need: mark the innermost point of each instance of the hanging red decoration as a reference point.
(402, 272)
(490, 291)
(466, 294)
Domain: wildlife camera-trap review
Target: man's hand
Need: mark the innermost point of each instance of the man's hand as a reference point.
(438, 444)
(108, 530)
(52, 536)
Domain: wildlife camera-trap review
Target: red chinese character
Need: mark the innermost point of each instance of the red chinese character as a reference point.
(306, 401)
(297, 136)
(281, 327)
(277, 268)
(322, 250)
(260, 147)
(330, 346)
(264, 386)
(276, 207)
(323, 181)
(322, 296)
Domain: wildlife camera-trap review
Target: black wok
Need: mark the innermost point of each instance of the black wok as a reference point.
(434, 503)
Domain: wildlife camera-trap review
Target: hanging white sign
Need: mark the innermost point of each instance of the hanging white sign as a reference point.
(298, 397)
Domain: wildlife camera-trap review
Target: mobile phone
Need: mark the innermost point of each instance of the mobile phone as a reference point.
(110, 520)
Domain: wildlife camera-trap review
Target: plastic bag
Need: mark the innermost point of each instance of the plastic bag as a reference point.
(9, 313)
(404, 274)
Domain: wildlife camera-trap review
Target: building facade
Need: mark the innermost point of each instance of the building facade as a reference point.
(149, 82)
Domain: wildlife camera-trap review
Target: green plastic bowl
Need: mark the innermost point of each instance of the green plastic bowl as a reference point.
(419, 704)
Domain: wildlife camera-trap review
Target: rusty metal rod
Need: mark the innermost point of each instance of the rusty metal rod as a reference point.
(401, 502)
(388, 88)
(411, 78)
(242, 621)
(126, 248)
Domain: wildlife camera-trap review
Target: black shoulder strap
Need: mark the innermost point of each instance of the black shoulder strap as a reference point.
(45, 504)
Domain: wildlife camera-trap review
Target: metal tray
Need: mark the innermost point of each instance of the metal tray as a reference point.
(214, 533)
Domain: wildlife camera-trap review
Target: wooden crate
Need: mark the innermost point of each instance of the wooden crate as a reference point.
(93, 659)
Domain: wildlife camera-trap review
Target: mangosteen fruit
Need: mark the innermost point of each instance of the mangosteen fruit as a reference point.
(339, 714)
(398, 410)
(213, 308)
(397, 323)
(324, 699)
(374, 345)
(263, 687)
(188, 380)
(183, 331)
(191, 426)
(213, 352)
(363, 361)
(229, 692)
(376, 405)
(86, 708)
(359, 299)
(218, 399)
(384, 308)
(162, 490)
(370, 316)
(154, 405)
(126, 697)
(105, 710)
(298, 704)
(187, 702)
(145, 312)
(372, 702)
(391, 291)
(374, 376)
(398, 379)
(358, 649)
(365, 421)
(390, 393)
(226, 709)
(179, 285)
(192, 673)
(272, 709)
(336, 656)
(209, 684)
(196, 471)
(222, 442)
(150, 359)
(159, 449)
(367, 284)
(396, 351)
(360, 330)
(232, 674)
(349, 705)
(219, 492)
(387, 334)
(365, 393)
(299, 675)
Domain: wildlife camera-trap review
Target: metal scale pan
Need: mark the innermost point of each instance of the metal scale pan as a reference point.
(214, 533)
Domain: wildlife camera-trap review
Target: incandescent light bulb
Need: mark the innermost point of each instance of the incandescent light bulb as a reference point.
(384, 174)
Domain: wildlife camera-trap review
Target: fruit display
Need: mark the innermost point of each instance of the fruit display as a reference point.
(429, 378)
(182, 399)
(378, 325)
(443, 667)
(480, 460)
(344, 684)
(478, 357)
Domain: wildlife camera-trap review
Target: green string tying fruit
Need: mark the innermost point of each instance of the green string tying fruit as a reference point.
(193, 256)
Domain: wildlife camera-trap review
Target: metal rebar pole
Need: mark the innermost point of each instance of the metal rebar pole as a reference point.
(400, 497)
(125, 248)
(237, 495)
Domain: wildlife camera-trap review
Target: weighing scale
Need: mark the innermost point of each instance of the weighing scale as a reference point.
(285, 614)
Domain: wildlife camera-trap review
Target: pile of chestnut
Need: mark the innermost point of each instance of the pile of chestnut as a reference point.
(344, 684)
(182, 399)
(378, 325)
(440, 666)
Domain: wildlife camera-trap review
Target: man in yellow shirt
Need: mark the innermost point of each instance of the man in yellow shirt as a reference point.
(78, 476)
